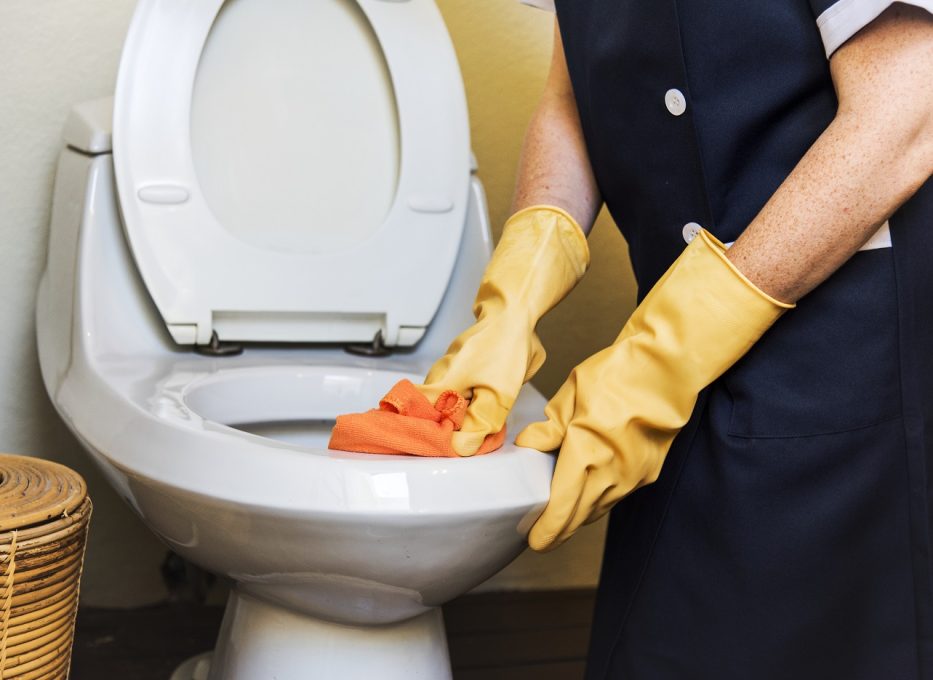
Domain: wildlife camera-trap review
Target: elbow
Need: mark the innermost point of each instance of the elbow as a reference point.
(914, 146)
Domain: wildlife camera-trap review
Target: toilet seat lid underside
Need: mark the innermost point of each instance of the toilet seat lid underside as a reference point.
(388, 275)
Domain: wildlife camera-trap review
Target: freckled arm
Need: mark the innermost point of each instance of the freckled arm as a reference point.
(874, 156)
(554, 168)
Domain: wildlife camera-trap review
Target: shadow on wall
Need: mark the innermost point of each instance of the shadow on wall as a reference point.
(56, 54)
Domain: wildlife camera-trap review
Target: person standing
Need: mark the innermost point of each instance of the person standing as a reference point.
(762, 428)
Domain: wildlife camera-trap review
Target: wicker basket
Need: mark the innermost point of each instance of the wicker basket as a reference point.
(44, 513)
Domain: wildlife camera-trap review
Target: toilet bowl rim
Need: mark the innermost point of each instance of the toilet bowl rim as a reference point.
(221, 462)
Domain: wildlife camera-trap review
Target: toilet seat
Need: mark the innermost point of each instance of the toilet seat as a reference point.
(203, 279)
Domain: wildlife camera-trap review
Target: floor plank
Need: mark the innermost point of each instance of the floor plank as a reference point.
(565, 670)
(517, 647)
(145, 644)
(519, 611)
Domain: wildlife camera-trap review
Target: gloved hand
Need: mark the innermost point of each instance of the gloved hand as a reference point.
(615, 417)
(539, 259)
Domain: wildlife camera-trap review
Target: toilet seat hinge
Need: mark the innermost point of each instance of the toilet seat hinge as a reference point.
(216, 348)
(377, 348)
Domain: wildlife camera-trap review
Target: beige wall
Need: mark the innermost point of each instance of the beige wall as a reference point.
(57, 52)
(54, 53)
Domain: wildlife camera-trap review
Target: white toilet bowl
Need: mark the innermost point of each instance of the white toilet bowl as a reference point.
(350, 538)
(225, 460)
(324, 547)
(340, 560)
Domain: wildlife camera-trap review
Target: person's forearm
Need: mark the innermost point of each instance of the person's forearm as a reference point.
(877, 152)
(554, 168)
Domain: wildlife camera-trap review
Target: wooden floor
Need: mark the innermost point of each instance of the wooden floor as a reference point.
(500, 636)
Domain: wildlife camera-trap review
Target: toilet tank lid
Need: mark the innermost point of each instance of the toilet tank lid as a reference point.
(89, 126)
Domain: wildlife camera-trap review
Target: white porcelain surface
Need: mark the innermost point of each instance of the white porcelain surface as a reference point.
(263, 642)
(322, 266)
(342, 536)
(259, 642)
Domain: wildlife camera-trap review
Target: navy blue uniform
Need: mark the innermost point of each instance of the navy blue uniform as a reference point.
(789, 534)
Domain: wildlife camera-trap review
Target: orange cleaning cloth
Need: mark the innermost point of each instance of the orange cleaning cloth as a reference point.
(406, 422)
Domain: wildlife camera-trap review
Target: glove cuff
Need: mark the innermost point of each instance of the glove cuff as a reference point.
(572, 238)
(719, 249)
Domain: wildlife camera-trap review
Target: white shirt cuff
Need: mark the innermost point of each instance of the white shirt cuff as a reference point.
(845, 18)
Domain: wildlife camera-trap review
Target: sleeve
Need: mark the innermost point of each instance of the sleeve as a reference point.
(549, 4)
(839, 20)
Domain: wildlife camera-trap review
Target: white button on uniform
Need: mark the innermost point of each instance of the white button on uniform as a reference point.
(675, 101)
(691, 229)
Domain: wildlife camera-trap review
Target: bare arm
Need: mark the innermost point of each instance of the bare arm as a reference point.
(554, 168)
(874, 155)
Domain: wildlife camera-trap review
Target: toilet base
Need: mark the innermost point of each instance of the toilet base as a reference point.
(261, 641)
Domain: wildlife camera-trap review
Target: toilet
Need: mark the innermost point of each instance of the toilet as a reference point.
(274, 219)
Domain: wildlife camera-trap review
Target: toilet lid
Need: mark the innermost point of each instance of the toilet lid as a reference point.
(292, 170)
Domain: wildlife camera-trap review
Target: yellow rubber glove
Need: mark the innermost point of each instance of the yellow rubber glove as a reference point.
(539, 259)
(615, 417)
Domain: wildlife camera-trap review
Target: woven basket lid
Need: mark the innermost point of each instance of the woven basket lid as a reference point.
(34, 491)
